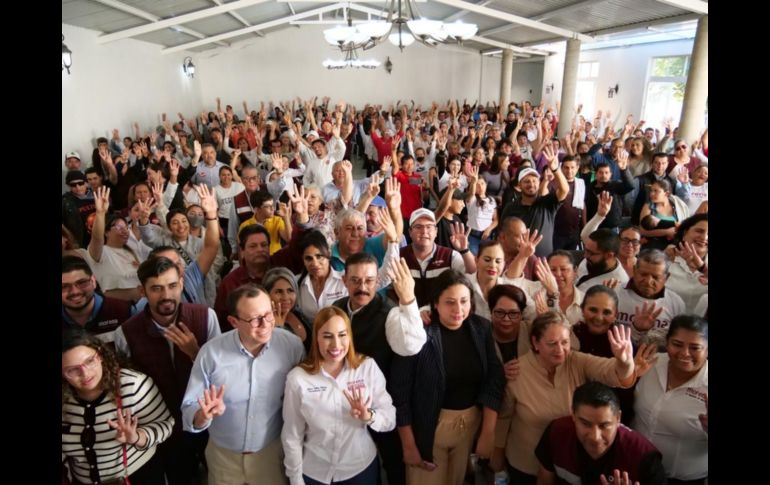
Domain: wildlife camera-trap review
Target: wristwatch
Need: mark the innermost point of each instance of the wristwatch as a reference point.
(553, 299)
(371, 419)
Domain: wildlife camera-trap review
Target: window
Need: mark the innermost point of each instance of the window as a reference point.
(586, 87)
(665, 89)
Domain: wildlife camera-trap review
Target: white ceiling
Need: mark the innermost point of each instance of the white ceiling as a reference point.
(594, 18)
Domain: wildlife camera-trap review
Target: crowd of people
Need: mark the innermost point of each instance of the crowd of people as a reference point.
(491, 302)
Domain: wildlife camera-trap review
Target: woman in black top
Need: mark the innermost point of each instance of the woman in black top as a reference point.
(439, 392)
(506, 304)
(281, 285)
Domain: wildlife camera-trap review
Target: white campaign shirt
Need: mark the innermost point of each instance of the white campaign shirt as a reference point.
(116, 270)
(225, 196)
(670, 420)
(333, 290)
(628, 300)
(574, 313)
(320, 438)
(480, 218)
(685, 283)
(618, 273)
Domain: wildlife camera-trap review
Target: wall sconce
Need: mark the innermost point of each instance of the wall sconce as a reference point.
(188, 67)
(66, 56)
(548, 88)
(388, 65)
(612, 91)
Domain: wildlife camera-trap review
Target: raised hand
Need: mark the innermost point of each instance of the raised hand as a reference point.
(611, 283)
(617, 479)
(298, 201)
(644, 318)
(646, 356)
(540, 304)
(690, 255)
(374, 185)
(157, 191)
(212, 403)
(386, 222)
(208, 200)
(620, 343)
(182, 337)
(546, 277)
(683, 176)
(102, 199)
(459, 237)
(145, 209)
(359, 406)
(197, 149)
(605, 203)
(528, 241)
(126, 427)
(622, 159)
(393, 193)
(173, 168)
(403, 281)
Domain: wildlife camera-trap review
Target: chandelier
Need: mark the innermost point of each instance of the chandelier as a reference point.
(351, 60)
(403, 26)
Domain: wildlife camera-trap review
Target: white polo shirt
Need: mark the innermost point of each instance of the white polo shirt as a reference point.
(670, 420)
(333, 290)
(618, 273)
(628, 300)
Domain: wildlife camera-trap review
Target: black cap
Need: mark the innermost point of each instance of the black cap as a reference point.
(75, 175)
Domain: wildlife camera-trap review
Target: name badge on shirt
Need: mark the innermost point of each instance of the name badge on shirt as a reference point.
(316, 389)
(695, 394)
(357, 384)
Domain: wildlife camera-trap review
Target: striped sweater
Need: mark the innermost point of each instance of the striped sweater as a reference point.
(88, 442)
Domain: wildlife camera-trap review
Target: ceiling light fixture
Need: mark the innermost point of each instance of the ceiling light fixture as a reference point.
(351, 60)
(402, 27)
(188, 67)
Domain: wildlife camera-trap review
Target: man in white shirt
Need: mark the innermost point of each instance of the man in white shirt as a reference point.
(601, 261)
(645, 303)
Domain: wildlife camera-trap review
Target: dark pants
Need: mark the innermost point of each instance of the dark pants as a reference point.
(518, 477)
(389, 446)
(182, 455)
(369, 476)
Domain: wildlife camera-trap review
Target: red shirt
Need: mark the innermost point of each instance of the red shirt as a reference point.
(411, 192)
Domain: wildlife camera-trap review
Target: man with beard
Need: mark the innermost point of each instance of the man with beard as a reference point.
(601, 260)
(645, 303)
(381, 330)
(162, 341)
(539, 211)
(81, 306)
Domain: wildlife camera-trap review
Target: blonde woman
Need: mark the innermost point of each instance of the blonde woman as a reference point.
(329, 402)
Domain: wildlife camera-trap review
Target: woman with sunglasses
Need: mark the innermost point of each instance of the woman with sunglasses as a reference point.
(113, 418)
(681, 160)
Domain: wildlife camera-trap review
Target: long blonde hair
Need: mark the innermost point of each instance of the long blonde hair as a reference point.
(312, 363)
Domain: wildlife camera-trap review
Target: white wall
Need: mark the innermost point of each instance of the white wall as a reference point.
(625, 66)
(112, 85)
(527, 82)
(287, 63)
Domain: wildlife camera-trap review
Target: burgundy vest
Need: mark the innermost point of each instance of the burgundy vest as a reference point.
(242, 207)
(440, 262)
(627, 451)
(150, 355)
(112, 313)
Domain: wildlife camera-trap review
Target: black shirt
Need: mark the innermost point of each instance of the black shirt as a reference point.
(462, 365)
(540, 215)
(509, 350)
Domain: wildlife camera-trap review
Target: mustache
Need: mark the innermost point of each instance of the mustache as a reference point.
(359, 293)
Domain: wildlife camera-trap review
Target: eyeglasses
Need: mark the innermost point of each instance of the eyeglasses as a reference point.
(259, 321)
(81, 285)
(502, 314)
(363, 282)
(75, 371)
(423, 227)
(634, 242)
(249, 179)
(76, 184)
(681, 147)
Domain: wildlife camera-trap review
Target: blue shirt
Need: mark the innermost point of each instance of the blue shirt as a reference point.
(254, 388)
(373, 246)
(597, 158)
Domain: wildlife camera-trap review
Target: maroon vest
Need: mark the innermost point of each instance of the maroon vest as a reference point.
(112, 313)
(242, 207)
(440, 262)
(629, 449)
(150, 355)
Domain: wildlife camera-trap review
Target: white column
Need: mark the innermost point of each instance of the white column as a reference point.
(569, 86)
(506, 75)
(694, 107)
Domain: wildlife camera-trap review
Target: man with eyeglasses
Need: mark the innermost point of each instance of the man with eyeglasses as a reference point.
(236, 392)
(382, 330)
(82, 307)
(241, 209)
(77, 205)
(162, 341)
